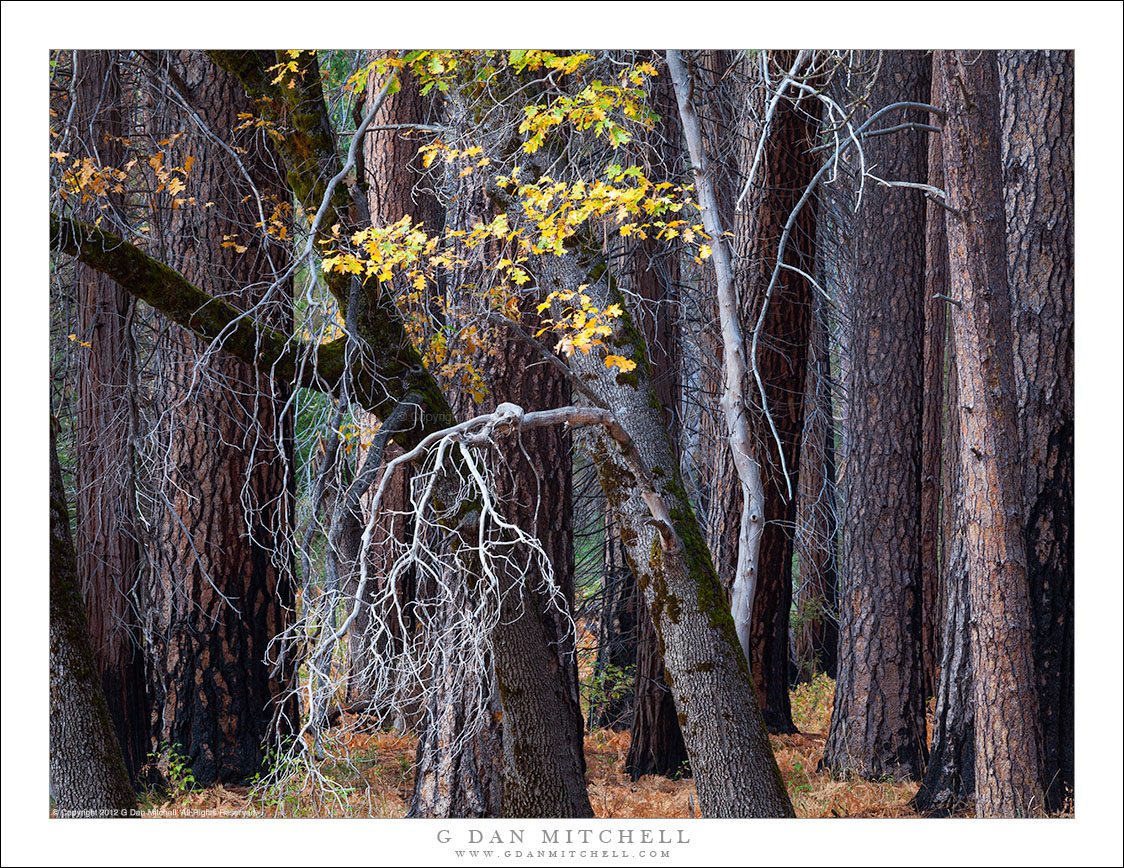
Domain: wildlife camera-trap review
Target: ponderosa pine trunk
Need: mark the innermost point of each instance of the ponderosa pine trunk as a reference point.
(1036, 104)
(222, 583)
(1007, 739)
(878, 719)
(88, 776)
(948, 786)
(788, 167)
(107, 531)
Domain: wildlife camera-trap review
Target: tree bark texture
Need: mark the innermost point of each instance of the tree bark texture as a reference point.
(878, 719)
(1036, 105)
(781, 358)
(716, 702)
(221, 587)
(87, 768)
(932, 416)
(1007, 735)
(949, 784)
(107, 531)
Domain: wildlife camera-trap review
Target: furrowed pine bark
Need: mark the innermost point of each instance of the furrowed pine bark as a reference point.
(878, 719)
(107, 531)
(932, 417)
(1007, 739)
(1036, 105)
(221, 587)
(88, 775)
(948, 786)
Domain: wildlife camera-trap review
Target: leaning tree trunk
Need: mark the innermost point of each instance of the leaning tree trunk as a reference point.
(221, 587)
(712, 689)
(1006, 715)
(651, 275)
(88, 776)
(106, 534)
(878, 719)
(1037, 125)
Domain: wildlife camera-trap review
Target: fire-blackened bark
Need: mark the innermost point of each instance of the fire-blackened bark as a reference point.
(878, 720)
(87, 769)
(106, 534)
(221, 587)
(1036, 103)
(1006, 714)
(949, 783)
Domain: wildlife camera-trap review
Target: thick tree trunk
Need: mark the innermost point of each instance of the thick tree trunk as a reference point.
(533, 649)
(1037, 138)
(656, 745)
(718, 712)
(878, 720)
(1006, 715)
(221, 587)
(88, 776)
(106, 536)
(781, 358)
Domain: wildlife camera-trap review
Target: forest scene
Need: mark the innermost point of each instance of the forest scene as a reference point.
(562, 433)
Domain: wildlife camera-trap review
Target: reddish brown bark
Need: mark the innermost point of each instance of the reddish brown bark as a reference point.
(1006, 703)
(788, 167)
(221, 586)
(107, 532)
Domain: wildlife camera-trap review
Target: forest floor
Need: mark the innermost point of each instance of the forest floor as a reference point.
(380, 778)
